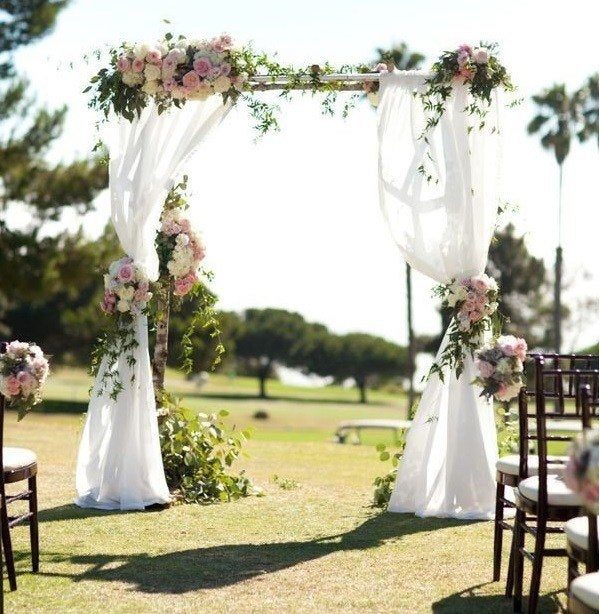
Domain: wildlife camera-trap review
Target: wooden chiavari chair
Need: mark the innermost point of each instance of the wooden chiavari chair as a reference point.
(507, 467)
(543, 498)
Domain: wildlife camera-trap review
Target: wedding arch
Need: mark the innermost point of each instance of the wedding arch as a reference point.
(439, 155)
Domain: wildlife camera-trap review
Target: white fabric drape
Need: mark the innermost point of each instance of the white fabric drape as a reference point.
(119, 465)
(443, 229)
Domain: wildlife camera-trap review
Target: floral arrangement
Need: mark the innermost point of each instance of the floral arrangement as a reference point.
(126, 288)
(477, 67)
(499, 367)
(181, 250)
(371, 88)
(23, 371)
(581, 471)
(474, 305)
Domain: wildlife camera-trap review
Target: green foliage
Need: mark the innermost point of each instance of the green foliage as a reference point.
(284, 483)
(198, 453)
(384, 485)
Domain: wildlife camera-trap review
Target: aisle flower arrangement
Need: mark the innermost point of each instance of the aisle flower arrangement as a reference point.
(499, 367)
(581, 471)
(23, 371)
(473, 303)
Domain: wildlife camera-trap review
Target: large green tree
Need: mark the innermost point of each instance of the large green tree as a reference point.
(560, 117)
(34, 190)
(268, 336)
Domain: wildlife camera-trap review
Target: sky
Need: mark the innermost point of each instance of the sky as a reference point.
(293, 220)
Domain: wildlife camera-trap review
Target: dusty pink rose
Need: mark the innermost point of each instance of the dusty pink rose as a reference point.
(222, 43)
(381, 67)
(28, 383)
(465, 74)
(225, 69)
(214, 72)
(479, 284)
(154, 57)
(520, 348)
(141, 295)
(202, 66)
(466, 48)
(485, 368)
(191, 80)
(12, 385)
(182, 287)
(123, 64)
(184, 225)
(169, 64)
(125, 273)
(40, 368)
(137, 65)
(169, 84)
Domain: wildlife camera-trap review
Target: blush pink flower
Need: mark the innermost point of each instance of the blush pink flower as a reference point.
(465, 74)
(485, 368)
(182, 287)
(191, 80)
(28, 383)
(381, 67)
(123, 64)
(154, 57)
(520, 349)
(202, 66)
(125, 273)
(225, 69)
(12, 385)
(169, 84)
(137, 65)
(222, 43)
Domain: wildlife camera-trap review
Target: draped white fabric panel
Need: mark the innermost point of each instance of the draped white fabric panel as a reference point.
(443, 229)
(119, 465)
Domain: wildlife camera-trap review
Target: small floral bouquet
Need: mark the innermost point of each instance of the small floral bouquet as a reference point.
(474, 305)
(23, 371)
(478, 68)
(371, 88)
(500, 367)
(126, 289)
(181, 250)
(581, 471)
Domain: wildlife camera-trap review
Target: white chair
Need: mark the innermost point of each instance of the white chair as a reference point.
(584, 594)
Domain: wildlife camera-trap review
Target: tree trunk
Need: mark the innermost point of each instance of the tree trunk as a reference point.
(411, 339)
(362, 387)
(263, 374)
(558, 269)
(161, 347)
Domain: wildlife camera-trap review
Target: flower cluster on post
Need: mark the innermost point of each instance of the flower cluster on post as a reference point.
(499, 367)
(182, 248)
(581, 471)
(126, 288)
(474, 305)
(23, 371)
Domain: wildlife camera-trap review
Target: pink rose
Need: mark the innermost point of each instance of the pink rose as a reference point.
(485, 368)
(214, 72)
(225, 69)
(137, 65)
(465, 74)
(202, 66)
(141, 295)
(169, 64)
(40, 368)
(222, 43)
(381, 67)
(125, 273)
(520, 349)
(108, 303)
(169, 84)
(28, 382)
(182, 287)
(123, 64)
(465, 48)
(191, 80)
(12, 385)
(154, 57)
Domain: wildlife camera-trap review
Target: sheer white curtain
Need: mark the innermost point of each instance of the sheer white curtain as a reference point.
(443, 229)
(119, 465)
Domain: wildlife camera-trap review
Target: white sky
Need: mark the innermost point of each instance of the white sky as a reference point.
(293, 220)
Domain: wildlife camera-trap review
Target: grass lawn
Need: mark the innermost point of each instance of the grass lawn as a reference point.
(318, 547)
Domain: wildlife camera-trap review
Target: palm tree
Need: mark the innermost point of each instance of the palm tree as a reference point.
(558, 120)
(588, 96)
(404, 59)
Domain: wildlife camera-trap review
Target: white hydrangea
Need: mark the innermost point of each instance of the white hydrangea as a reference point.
(152, 72)
(132, 78)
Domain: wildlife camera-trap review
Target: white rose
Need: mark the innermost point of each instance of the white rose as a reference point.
(125, 293)
(141, 51)
(123, 306)
(461, 293)
(132, 78)
(451, 299)
(152, 87)
(152, 72)
(222, 84)
(481, 55)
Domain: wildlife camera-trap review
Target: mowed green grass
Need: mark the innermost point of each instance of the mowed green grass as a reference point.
(318, 547)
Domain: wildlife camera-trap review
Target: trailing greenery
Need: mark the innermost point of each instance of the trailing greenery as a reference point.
(198, 452)
(384, 485)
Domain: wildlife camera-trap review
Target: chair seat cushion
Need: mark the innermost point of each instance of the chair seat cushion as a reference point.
(585, 588)
(558, 492)
(576, 531)
(18, 458)
(510, 464)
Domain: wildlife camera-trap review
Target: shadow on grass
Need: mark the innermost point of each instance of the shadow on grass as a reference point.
(219, 566)
(469, 600)
(74, 512)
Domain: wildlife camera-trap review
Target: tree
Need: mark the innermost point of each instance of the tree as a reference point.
(523, 283)
(29, 260)
(267, 336)
(404, 59)
(557, 121)
(366, 358)
(588, 97)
